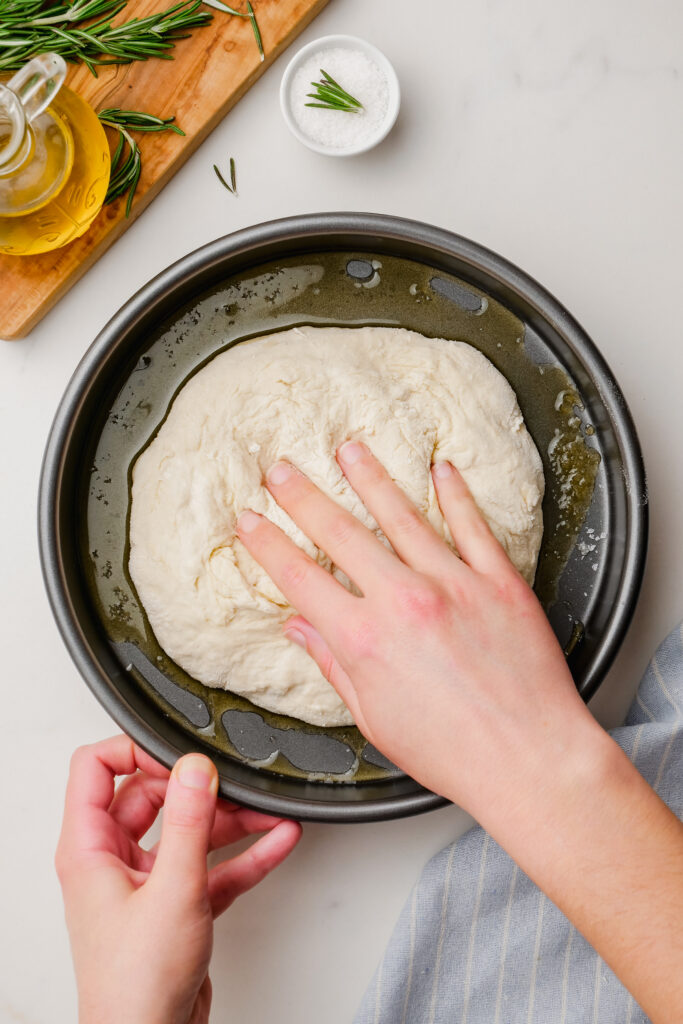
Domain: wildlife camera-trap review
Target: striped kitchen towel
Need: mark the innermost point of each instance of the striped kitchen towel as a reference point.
(479, 943)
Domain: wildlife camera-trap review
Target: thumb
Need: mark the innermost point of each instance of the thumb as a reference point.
(189, 812)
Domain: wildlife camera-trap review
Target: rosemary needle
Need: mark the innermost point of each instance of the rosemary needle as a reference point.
(218, 5)
(233, 185)
(221, 178)
(256, 30)
(335, 85)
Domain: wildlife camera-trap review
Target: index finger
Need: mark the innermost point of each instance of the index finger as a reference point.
(309, 588)
(90, 789)
(350, 544)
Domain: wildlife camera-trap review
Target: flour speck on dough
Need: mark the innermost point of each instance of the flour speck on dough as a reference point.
(298, 395)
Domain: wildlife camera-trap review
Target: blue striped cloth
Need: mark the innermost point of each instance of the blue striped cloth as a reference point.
(479, 943)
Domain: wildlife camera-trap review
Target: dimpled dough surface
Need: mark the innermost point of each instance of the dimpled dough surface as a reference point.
(298, 395)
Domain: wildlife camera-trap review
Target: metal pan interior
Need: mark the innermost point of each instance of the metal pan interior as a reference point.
(349, 270)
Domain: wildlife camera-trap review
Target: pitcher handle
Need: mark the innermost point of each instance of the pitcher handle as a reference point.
(38, 82)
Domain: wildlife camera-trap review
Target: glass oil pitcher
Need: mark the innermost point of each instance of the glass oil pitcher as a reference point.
(54, 160)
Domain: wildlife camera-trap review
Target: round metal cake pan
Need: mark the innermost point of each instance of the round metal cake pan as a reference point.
(620, 510)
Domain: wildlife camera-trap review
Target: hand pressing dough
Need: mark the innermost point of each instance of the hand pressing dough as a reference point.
(298, 395)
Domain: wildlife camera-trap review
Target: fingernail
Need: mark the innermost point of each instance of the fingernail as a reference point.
(442, 469)
(297, 637)
(248, 521)
(350, 452)
(195, 772)
(280, 472)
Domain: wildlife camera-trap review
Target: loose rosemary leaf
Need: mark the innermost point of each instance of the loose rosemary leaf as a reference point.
(232, 187)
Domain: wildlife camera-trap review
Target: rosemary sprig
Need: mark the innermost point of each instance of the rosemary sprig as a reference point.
(232, 187)
(28, 27)
(82, 31)
(126, 162)
(330, 96)
(219, 6)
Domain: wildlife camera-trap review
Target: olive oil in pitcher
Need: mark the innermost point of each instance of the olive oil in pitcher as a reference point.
(54, 160)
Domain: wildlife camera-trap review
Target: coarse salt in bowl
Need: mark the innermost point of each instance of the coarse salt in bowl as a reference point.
(361, 70)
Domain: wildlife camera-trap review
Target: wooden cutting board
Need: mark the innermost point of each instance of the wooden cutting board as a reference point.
(210, 72)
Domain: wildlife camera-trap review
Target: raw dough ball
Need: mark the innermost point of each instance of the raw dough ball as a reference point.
(298, 395)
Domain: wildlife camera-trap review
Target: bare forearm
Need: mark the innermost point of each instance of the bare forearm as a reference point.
(527, 761)
(601, 844)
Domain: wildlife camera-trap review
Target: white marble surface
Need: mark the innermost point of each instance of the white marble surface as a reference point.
(549, 132)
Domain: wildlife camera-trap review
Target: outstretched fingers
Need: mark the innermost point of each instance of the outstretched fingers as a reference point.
(340, 534)
(410, 535)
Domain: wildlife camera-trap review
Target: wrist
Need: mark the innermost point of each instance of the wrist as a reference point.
(540, 779)
(567, 809)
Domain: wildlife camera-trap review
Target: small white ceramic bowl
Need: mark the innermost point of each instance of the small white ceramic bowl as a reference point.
(350, 43)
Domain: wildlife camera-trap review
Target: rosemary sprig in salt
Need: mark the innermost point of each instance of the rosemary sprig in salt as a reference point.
(330, 96)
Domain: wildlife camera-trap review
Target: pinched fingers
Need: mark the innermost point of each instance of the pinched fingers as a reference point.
(307, 586)
(94, 768)
(471, 533)
(410, 535)
(232, 823)
(89, 794)
(137, 802)
(139, 798)
(337, 532)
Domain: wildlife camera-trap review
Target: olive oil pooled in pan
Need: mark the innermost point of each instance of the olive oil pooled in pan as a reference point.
(342, 289)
